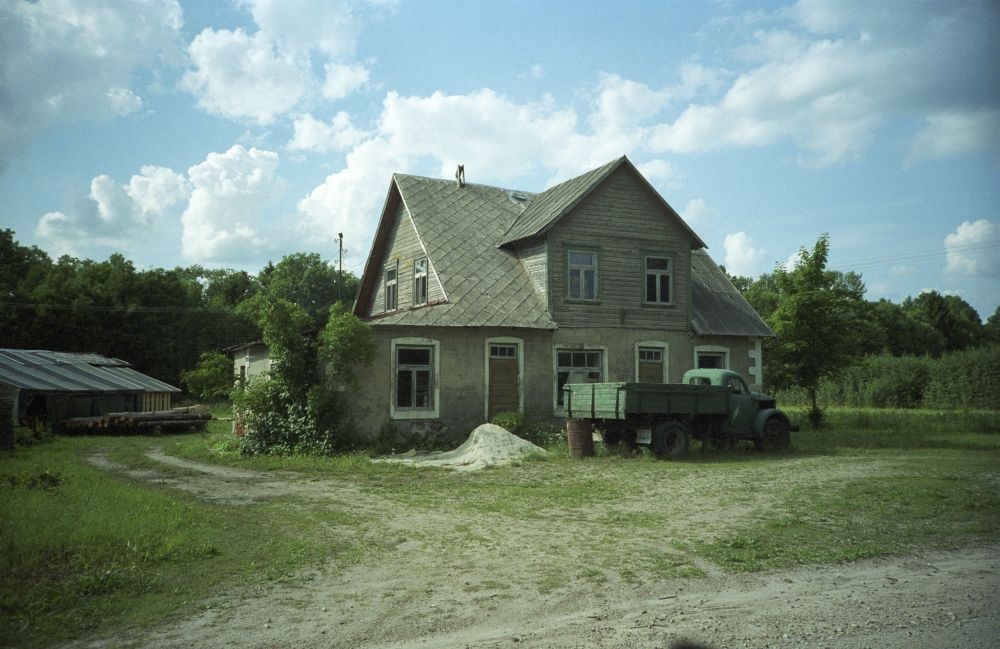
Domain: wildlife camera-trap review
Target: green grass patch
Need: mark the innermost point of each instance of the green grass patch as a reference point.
(85, 550)
(937, 502)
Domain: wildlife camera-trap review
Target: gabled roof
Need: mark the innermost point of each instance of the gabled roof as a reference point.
(458, 227)
(551, 205)
(717, 308)
(468, 231)
(45, 371)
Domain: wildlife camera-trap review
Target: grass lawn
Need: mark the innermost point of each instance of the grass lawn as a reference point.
(85, 549)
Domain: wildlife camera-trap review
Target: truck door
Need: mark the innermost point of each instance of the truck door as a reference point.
(741, 410)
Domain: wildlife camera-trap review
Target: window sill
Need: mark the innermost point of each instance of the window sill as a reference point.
(570, 300)
(660, 305)
(424, 413)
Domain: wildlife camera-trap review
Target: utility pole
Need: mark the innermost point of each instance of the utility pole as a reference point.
(340, 274)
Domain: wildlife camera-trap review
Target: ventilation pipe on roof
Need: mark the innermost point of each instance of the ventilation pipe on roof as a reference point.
(460, 175)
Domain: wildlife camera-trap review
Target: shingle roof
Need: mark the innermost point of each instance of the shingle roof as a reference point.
(459, 227)
(717, 308)
(46, 371)
(467, 231)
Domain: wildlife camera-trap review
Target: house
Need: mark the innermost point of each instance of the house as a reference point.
(249, 360)
(485, 300)
(52, 386)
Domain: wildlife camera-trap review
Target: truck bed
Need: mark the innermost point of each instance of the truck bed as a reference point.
(619, 400)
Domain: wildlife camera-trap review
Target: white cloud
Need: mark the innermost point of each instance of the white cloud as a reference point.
(343, 79)
(954, 133)
(698, 214)
(314, 135)
(742, 258)
(244, 77)
(498, 140)
(537, 71)
(223, 222)
(115, 215)
(262, 76)
(303, 25)
(971, 250)
(659, 172)
(68, 60)
(824, 77)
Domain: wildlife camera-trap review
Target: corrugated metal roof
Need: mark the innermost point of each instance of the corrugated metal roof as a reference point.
(717, 307)
(46, 371)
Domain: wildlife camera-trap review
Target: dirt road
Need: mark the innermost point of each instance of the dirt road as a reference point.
(490, 594)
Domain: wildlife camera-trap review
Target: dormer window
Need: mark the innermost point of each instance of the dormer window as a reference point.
(391, 288)
(420, 281)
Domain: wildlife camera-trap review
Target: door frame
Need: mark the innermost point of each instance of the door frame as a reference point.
(503, 340)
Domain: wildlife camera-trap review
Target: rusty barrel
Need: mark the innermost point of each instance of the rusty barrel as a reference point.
(580, 437)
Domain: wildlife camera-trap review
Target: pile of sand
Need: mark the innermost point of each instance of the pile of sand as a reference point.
(488, 445)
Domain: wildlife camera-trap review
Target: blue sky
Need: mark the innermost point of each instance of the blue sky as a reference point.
(230, 133)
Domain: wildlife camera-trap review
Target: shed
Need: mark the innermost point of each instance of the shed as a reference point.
(51, 386)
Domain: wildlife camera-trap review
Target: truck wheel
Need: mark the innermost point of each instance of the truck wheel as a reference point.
(670, 440)
(775, 435)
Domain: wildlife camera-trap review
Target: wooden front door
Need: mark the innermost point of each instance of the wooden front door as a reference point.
(503, 396)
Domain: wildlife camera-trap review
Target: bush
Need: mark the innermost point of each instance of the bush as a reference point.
(212, 379)
(539, 433)
(967, 379)
(275, 424)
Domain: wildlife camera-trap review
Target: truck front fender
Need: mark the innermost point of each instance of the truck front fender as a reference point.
(764, 415)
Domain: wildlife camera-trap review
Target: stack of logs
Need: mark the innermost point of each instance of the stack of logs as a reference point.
(124, 423)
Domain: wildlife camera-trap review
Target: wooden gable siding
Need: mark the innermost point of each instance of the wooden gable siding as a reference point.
(533, 254)
(403, 247)
(621, 221)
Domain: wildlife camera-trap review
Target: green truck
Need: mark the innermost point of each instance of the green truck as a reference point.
(714, 406)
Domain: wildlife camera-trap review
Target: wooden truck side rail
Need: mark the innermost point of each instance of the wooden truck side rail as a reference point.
(619, 400)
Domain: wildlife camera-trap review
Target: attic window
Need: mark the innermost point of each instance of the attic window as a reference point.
(420, 281)
(391, 288)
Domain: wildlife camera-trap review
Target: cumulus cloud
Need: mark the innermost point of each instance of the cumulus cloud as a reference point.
(742, 257)
(113, 214)
(971, 250)
(698, 214)
(224, 220)
(498, 140)
(954, 133)
(68, 60)
(313, 135)
(260, 77)
(241, 76)
(824, 76)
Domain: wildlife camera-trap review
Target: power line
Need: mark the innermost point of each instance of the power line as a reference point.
(917, 255)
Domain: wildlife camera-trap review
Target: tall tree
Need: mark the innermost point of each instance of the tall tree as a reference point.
(954, 318)
(818, 323)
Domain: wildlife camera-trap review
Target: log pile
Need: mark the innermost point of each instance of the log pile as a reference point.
(124, 423)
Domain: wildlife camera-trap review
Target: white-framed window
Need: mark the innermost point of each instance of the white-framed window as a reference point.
(659, 279)
(416, 364)
(392, 287)
(711, 357)
(420, 281)
(578, 365)
(581, 276)
(651, 362)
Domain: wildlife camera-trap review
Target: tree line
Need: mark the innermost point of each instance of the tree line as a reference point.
(159, 320)
(827, 331)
